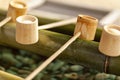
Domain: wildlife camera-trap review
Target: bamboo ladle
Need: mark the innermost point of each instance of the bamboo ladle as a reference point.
(27, 28)
(110, 41)
(85, 29)
(16, 8)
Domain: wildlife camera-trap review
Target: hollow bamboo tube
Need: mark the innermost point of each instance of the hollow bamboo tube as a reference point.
(110, 40)
(92, 24)
(27, 29)
(89, 27)
(16, 8)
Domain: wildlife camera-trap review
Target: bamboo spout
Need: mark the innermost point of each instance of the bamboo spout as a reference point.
(16, 8)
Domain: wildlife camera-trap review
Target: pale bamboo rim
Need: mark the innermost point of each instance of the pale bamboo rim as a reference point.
(22, 4)
(27, 19)
(112, 30)
(88, 18)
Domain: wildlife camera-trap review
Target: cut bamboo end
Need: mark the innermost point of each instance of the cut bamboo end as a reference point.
(27, 29)
(8, 76)
(16, 8)
(110, 40)
(87, 26)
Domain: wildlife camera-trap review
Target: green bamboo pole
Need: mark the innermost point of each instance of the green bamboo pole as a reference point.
(49, 42)
(80, 52)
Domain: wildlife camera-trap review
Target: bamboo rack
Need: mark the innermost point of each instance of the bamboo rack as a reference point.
(11, 39)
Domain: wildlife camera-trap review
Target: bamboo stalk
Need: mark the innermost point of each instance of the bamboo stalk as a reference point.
(49, 42)
(81, 52)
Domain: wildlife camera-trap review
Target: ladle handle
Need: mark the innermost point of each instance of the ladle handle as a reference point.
(3, 22)
(50, 59)
(57, 24)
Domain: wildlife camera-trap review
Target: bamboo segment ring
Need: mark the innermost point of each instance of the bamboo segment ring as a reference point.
(87, 26)
(16, 8)
(27, 29)
(110, 40)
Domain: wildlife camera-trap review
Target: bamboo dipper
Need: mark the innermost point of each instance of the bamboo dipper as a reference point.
(16, 8)
(110, 40)
(85, 29)
(27, 28)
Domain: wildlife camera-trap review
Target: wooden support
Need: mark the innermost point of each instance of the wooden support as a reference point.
(89, 23)
(16, 8)
(110, 40)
